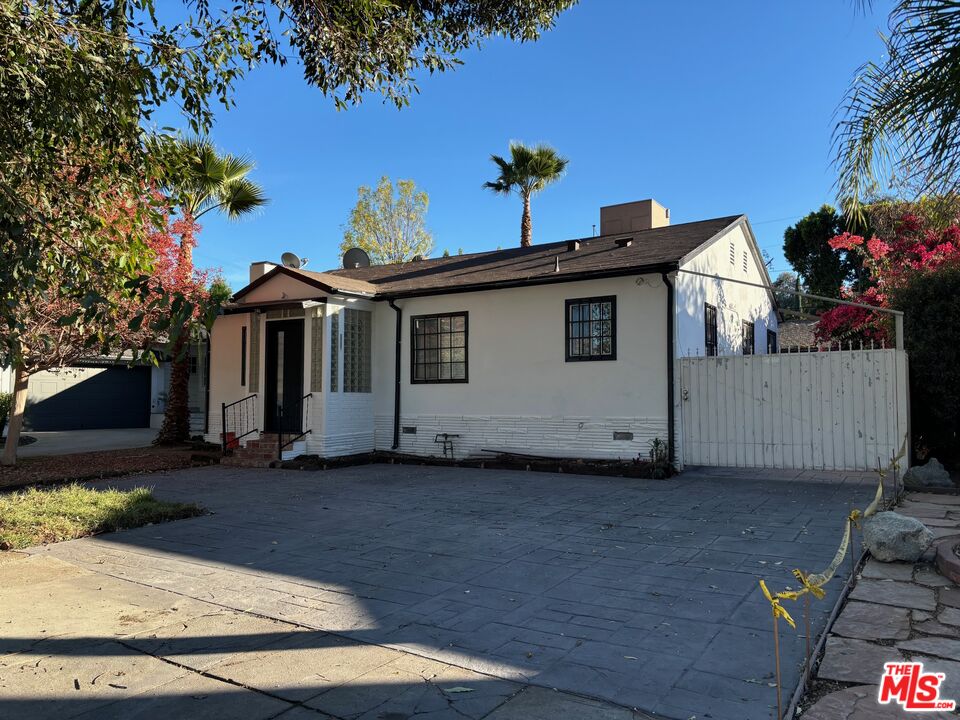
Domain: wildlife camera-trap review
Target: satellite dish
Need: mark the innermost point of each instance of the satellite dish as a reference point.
(355, 258)
(291, 260)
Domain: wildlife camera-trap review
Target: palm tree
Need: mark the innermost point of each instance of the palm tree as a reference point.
(202, 181)
(899, 122)
(529, 170)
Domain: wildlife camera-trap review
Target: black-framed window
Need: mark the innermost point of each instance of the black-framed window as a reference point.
(772, 343)
(709, 329)
(591, 328)
(438, 350)
(749, 337)
(243, 356)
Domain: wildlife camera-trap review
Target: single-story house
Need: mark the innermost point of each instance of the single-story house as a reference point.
(561, 349)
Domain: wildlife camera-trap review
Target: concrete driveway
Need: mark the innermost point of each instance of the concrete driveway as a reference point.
(642, 593)
(68, 442)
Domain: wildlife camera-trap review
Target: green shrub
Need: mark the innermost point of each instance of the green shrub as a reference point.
(931, 305)
(6, 403)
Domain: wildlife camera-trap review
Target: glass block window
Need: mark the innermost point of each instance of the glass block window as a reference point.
(709, 329)
(439, 348)
(592, 329)
(749, 336)
(335, 352)
(316, 353)
(356, 350)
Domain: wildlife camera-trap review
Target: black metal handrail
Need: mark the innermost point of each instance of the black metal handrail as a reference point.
(280, 410)
(242, 415)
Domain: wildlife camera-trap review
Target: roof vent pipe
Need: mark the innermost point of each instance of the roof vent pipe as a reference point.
(556, 266)
(624, 242)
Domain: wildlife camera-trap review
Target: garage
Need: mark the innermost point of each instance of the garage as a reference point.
(88, 398)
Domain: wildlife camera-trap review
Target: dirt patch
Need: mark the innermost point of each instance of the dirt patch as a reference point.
(102, 464)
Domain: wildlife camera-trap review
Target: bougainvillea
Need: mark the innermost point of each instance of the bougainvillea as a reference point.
(892, 262)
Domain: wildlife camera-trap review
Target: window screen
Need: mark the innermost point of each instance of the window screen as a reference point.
(710, 329)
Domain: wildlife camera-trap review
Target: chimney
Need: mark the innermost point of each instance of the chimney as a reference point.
(260, 268)
(633, 216)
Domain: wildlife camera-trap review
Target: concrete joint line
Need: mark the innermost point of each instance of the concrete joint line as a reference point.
(219, 678)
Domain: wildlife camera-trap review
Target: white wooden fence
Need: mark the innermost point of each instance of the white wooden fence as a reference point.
(836, 410)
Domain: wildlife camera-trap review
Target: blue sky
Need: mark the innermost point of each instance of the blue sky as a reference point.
(711, 108)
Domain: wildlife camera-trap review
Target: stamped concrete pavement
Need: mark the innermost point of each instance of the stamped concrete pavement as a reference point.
(642, 593)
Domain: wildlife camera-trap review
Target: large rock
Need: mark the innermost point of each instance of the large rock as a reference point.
(890, 536)
(930, 475)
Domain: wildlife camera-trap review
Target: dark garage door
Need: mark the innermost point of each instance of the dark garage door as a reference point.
(83, 398)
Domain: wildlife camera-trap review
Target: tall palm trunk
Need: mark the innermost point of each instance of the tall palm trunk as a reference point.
(176, 417)
(16, 416)
(526, 224)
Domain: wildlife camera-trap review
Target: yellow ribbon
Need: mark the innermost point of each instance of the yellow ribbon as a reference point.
(821, 579)
(808, 586)
(778, 610)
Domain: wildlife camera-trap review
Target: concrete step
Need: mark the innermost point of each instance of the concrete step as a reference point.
(235, 461)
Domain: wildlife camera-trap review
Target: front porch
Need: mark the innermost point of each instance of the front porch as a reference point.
(293, 380)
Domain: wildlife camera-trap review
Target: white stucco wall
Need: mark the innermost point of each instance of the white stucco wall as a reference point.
(225, 387)
(522, 395)
(734, 302)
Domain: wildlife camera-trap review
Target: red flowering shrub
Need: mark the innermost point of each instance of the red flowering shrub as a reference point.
(914, 250)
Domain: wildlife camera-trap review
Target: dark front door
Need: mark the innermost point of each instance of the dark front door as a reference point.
(284, 376)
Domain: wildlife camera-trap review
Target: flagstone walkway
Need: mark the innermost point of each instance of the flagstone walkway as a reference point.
(896, 612)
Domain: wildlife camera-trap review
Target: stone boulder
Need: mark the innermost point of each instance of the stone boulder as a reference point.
(926, 476)
(890, 537)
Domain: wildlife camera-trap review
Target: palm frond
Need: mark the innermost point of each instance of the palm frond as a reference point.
(242, 197)
(900, 122)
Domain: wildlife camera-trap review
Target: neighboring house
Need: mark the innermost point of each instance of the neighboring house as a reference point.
(105, 393)
(560, 349)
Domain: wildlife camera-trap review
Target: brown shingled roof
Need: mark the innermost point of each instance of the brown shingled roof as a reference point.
(596, 257)
(652, 250)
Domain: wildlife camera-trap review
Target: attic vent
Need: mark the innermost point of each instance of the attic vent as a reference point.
(573, 245)
(733, 254)
(624, 242)
(744, 261)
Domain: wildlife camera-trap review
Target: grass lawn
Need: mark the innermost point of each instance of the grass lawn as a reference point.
(36, 516)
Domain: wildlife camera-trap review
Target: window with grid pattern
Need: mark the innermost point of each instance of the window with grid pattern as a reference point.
(710, 329)
(439, 348)
(592, 328)
(749, 335)
(356, 350)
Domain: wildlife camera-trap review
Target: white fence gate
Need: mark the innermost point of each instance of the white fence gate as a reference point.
(836, 410)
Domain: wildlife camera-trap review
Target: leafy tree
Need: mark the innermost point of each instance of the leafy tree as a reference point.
(201, 180)
(822, 269)
(930, 300)
(389, 225)
(899, 118)
(529, 170)
(81, 79)
(138, 322)
(787, 281)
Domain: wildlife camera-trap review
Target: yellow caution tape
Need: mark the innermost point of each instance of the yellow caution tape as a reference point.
(808, 586)
(875, 505)
(778, 610)
(821, 579)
